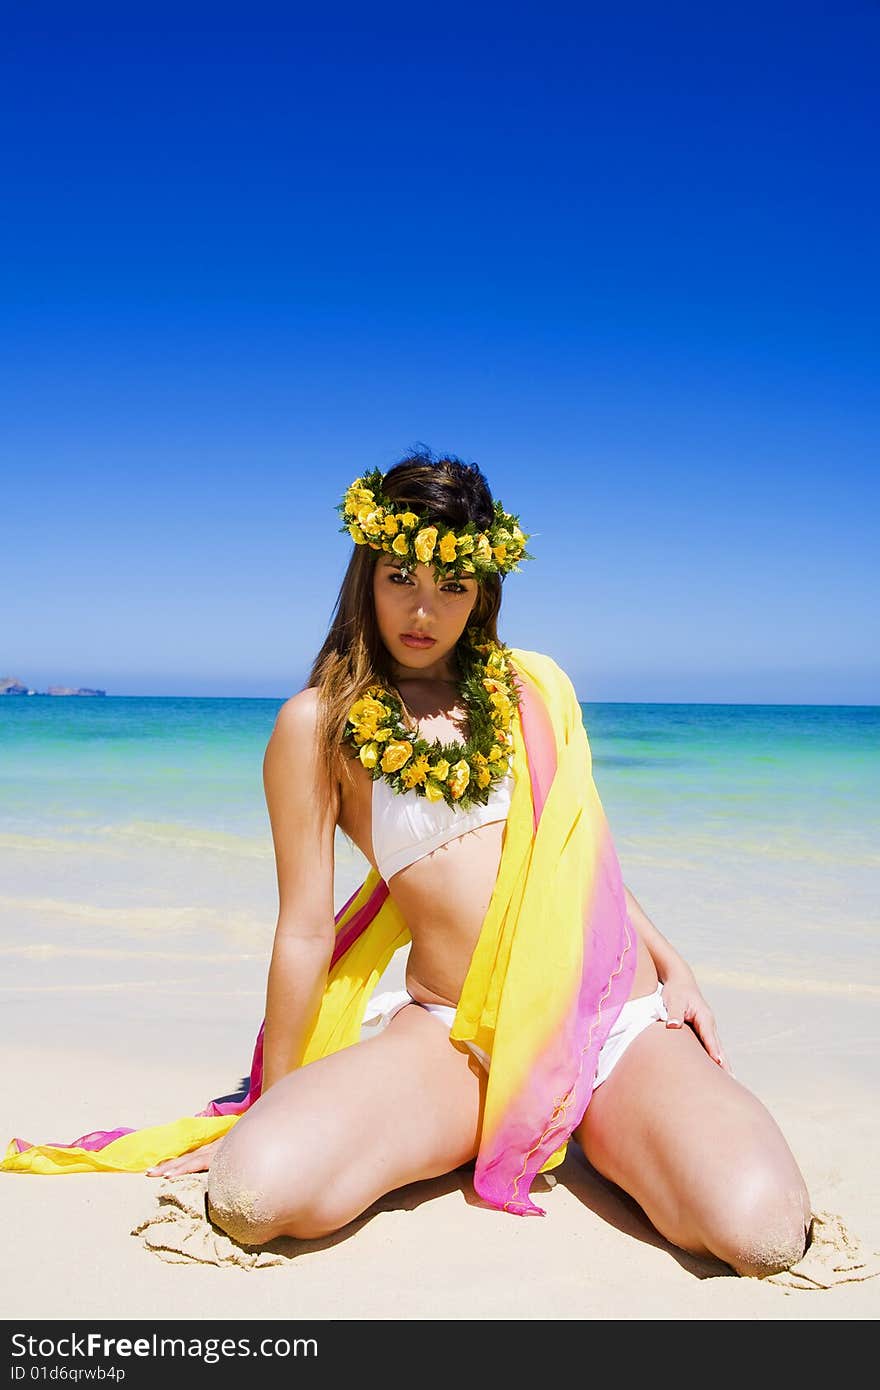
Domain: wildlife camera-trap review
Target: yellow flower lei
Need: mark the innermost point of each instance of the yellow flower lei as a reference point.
(461, 774)
(371, 518)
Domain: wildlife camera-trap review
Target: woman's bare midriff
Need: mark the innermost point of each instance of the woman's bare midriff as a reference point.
(443, 898)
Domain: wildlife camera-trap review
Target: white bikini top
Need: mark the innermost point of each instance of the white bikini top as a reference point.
(407, 826)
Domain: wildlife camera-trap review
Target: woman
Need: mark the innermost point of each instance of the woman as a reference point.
(535, 1013)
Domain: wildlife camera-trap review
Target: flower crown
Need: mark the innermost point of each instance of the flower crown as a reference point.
(371, 518)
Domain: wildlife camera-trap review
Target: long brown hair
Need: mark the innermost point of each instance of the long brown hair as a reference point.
(353, 656)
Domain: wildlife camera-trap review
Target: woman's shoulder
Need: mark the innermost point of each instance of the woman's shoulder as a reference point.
(297, 718)
(295, 744)
(540, 663)
(553, 684)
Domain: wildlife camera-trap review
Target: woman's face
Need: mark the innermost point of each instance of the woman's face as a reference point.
(417, 602)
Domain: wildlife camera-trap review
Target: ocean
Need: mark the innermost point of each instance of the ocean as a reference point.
(135, 829)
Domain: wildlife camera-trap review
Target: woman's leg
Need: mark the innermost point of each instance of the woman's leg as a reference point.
(332, 1137)
(700, 1154)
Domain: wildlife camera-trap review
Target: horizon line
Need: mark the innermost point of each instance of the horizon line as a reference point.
(764, 704)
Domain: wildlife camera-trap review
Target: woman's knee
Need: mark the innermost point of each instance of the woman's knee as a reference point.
(760, 1225)
(255, 1194)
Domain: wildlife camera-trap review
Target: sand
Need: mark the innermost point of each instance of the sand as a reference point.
(125, 1246)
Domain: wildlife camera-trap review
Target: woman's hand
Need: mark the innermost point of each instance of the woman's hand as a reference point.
(685, 1004)
(198, 1161)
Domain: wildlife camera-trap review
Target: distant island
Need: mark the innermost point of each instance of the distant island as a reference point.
(11, 685)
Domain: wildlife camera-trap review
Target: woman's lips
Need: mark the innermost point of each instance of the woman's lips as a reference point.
(409, 639)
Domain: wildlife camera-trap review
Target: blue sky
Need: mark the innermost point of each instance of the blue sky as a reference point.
(624, 258)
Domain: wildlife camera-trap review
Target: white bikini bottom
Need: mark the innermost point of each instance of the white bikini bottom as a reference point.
(633, 1018)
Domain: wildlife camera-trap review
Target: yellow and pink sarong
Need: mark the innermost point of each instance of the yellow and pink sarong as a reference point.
(552, 967)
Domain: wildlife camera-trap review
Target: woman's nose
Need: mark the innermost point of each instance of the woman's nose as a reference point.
(424, 603)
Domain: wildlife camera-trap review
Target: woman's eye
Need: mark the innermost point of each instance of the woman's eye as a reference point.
(447, 588)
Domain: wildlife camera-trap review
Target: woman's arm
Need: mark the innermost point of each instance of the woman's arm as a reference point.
(304, 858)
(681, 994)
(667, 960)
(306, 929)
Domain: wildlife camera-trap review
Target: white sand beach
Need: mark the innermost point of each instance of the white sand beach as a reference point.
(137, 1034)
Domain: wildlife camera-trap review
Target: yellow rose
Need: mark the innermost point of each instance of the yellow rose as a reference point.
(495, 753)
(409, 520)
(372, 522)
(395, 755)
(433, 792)
(356, 534)
(383, 735)
(391, 525)
(447, 548)
(424, 543)
(400, 545)
(415, 773)
(484, 777)
(484, 549)
(440, 770)
(459, 778)
(358, 497)
(363, 511)
(367, 708)
(369, 754)
(500, 553)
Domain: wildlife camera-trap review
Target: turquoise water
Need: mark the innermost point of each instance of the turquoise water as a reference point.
(748, 832)
(742, 770)
(71, 765)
